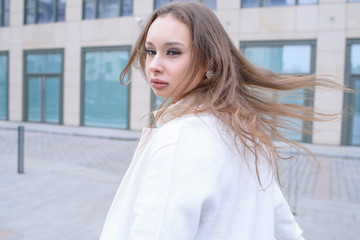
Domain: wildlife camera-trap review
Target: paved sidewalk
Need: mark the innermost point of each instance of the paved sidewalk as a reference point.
(72, 174)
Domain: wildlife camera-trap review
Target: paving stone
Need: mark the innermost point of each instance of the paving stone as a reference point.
(72, 174)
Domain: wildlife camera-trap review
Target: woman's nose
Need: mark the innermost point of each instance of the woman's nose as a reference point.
(156, 64)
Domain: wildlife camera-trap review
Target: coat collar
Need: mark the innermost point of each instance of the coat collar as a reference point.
(178, 109)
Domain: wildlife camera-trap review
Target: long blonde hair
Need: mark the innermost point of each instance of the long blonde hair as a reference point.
(235, 94)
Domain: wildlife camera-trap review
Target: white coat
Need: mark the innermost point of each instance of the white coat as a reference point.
(187, 181)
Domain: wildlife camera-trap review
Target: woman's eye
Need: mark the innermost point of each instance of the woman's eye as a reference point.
(173, 52)
(150, 52)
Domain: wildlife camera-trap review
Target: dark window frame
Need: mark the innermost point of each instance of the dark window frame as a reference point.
(308, 95)
(26, 79)
(347, 123)
(2, 13)
(84, 50)
(55, 17)
(6, 53)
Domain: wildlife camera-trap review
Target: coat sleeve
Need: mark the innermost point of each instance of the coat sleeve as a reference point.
(286, 227)
(178, 191)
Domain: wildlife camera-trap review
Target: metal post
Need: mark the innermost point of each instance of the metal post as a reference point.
(20, 149)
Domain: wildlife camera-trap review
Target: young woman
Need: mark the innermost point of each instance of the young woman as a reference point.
(207, 170)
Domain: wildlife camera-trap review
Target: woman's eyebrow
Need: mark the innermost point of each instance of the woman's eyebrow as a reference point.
(167, 44)
(174, 43)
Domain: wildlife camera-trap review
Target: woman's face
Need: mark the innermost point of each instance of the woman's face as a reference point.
(168, 56)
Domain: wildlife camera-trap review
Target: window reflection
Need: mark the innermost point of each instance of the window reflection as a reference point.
(4, 13)
(105, 99)
(268, 3)
(44, 11)
(107, 8)
(43, 86)
(290, 59)
(3, 86)
(278, 2)
(127, 8)
(355, 59)
(286, 59)
(209, 3)
(61, 10)
(356, 115)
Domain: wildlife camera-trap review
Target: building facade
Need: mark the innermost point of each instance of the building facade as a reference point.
(60, 60)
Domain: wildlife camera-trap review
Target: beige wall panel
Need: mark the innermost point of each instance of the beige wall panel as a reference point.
(59, 34)
(249, 20)
(228, 4)
(72, 32)
(140, 106)
(87, 30)
(71, 120)
(73, 11)
(330, 61)
(45, 33)
(15, 83)
(5, 38)
(16, 6)
(15, 110)
(230, 20)
(16, 12)
(15, 87)
(106, 29)
(142, 8)
(114, 29)
(353, 34)
(278, 36)
(328, 132)
(16, 36)
(332, 17)
(307, 18)
(353, 16)
(16, 18)
(324, 2)
(30, 34)
(271, 19)
(331, 41)
(139, 101)
(72, 83)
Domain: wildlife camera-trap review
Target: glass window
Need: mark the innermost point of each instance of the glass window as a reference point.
(306, 2)
(290, 59)
(355, 59)
(268, 3)
(44, 11)
(209, 3)
(44, 63)
(250, 3)
(61, 10)
(4, 13)
(351, 125)
(105, 100)
(43, 80)
(355, 133)
(107, 8)
(3, 86)
(286, 58)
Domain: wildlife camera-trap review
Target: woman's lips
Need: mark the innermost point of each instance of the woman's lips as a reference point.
(157, 83)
